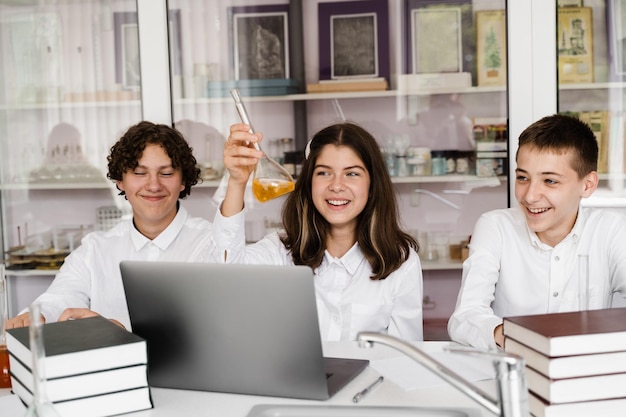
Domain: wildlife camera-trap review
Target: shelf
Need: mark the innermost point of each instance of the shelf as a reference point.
(441, 266)
(426, 266)
(345, 95)
(593, 86)
(490, 181)
(71, 105)
(58, 186)
(30, 272)
(302, 96)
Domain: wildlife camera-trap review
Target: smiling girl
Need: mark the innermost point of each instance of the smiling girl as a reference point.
(342, 221)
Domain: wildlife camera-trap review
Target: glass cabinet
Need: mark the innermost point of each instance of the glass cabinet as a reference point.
(445, 86)
(591, 75)
(66, 93)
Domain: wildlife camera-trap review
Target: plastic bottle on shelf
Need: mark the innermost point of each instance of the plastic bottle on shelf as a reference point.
(438, 163)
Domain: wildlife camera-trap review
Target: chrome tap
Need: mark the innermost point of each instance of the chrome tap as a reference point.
(512, 398)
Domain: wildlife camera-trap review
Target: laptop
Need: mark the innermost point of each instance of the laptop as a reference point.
(245, 329)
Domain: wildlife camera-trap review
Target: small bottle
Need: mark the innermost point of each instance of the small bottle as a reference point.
(5, 376)
(40, 406)
(450, 161)
(390, 162)
(285, 146)
(438, 163)
(402, 169)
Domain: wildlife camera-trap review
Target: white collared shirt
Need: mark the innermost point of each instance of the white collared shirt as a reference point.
(510, 272)
(348, 301)
(90, 275)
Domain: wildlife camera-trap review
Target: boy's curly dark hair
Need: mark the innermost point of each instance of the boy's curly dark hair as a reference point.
(125, 154)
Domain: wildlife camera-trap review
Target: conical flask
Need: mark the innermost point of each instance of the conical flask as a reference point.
(40, 406)
(5, 376)
(270, 179)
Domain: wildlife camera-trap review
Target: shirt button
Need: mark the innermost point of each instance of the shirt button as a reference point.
(555, 294)
(556, 258)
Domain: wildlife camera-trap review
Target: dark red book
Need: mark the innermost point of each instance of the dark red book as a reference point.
(572, 333)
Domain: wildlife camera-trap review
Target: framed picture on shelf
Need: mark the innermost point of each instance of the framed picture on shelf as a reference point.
(491, 47)
(440, 37)
(616, 28)
(575, 45)
(353, 40)
(127, 65)
(260, 42)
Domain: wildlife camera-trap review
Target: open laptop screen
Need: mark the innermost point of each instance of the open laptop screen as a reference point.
(247, 329)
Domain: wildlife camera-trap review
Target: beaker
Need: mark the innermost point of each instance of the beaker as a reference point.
(5, 376)
(40, 405)
(270, 179)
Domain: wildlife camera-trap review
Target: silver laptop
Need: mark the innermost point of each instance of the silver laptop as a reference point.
(245, 329)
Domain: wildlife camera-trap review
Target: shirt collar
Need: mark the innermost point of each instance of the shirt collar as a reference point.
(350, 261)
(166, 237)
(573, 234)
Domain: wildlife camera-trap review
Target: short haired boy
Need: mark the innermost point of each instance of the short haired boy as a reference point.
(153, 167)
(523, 260)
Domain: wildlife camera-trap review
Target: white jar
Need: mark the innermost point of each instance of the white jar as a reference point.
(418, 160)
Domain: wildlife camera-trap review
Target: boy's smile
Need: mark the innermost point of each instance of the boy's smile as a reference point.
(549, 190)
(152, 189)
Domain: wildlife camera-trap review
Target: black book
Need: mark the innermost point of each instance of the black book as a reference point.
(111, 404)
(77, 347)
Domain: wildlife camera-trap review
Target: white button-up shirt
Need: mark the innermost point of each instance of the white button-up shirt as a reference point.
(348, 301)
(90, 276)
(510, 272)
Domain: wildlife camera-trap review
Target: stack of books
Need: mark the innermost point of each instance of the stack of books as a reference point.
(575, 361)
(93, 368)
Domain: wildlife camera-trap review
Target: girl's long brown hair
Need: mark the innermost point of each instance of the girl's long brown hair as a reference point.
(379, 235)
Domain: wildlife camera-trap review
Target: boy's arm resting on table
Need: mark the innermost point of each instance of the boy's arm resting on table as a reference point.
(69, 289)
(21, 320)
(473, 321)
(82, 313)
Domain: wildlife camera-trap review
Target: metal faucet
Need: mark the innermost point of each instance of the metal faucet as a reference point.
(512, 398)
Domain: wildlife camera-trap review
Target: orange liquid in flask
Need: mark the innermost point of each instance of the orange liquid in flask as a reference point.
(265, 189)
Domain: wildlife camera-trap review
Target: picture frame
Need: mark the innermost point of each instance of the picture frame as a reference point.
(424, 50)
(616, 36)
(575, 45)
(340, 25)
(259, 38)
(491, 49)
(126, 39)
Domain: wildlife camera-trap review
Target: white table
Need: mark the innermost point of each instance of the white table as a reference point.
(175, 403)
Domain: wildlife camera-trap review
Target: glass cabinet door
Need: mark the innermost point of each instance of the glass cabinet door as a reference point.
(427, 78)
(441, 118)
(591, 77)
(69, 87)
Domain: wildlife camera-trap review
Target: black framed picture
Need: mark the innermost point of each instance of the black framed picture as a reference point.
(260, 42)
(127, 65)
(441, 37)
(616, 28)
(353, 39)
